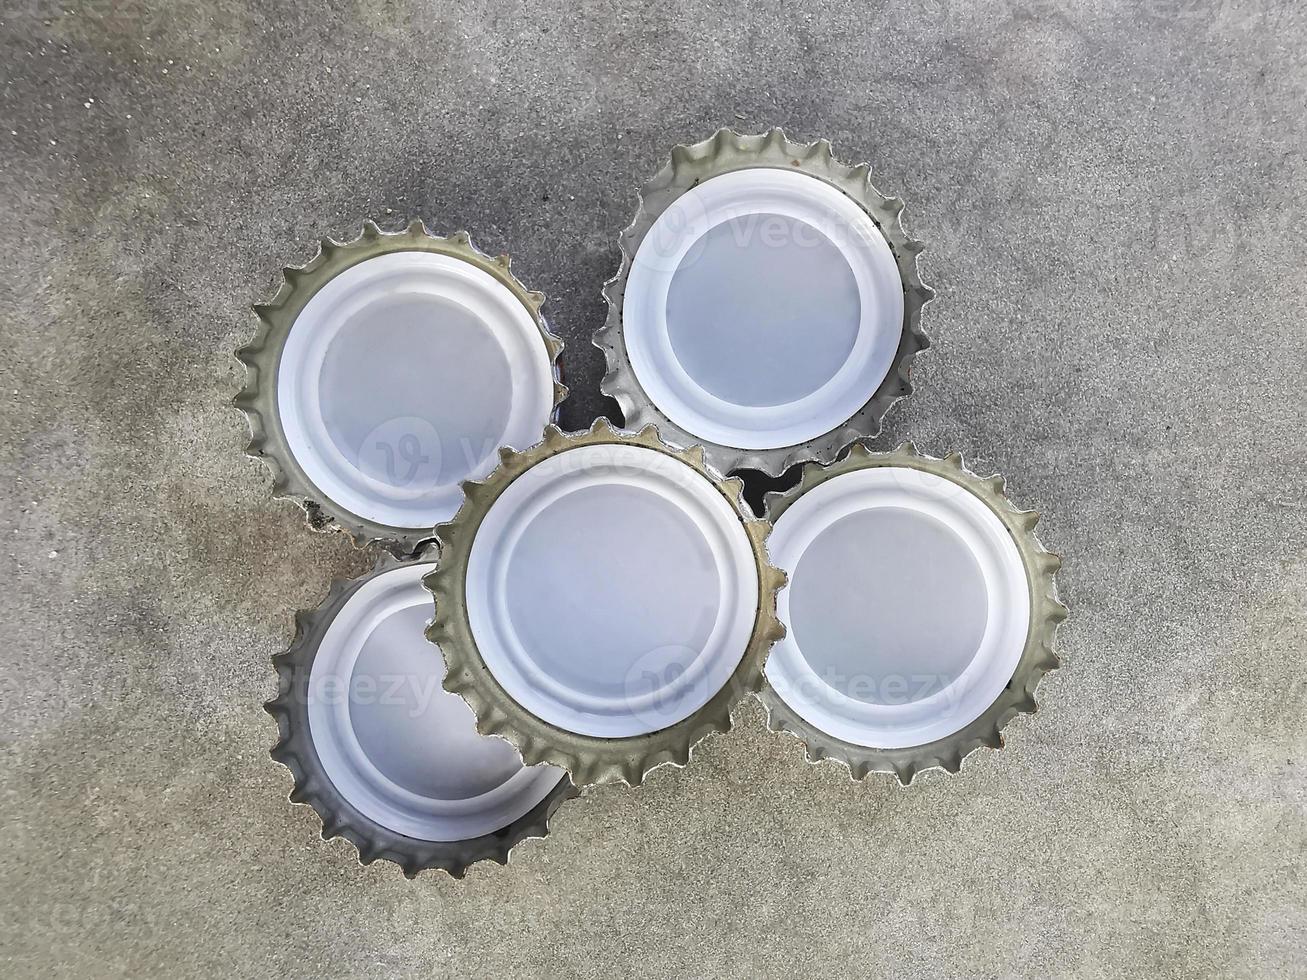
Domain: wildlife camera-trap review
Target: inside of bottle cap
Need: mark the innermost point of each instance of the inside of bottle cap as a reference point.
(763, 308)
(907, 607)
(396, 745)
(612, 590)
(402, 376)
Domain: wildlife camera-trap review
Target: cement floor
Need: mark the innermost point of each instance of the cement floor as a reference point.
(1112, 196)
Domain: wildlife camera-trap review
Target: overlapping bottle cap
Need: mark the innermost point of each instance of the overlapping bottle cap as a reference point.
(389, 759)
(603, 600)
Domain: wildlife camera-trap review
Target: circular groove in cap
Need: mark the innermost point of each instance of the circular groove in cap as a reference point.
(762, 309)
(968, 605)
(382, 461)
(402, 376)
(389, 760)
(696, 166)
(668, 576)
(524, 680)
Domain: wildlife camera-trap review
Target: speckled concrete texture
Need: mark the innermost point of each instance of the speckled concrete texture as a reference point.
(1112, 195)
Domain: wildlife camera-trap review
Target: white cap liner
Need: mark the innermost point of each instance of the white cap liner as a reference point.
(611, 590)
(764, 274)
(421, 365)
(936, 595)
(399, 748)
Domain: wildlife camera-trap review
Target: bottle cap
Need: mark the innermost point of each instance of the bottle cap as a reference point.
(602, 601)
(767, 306)
(389, 369)
(920, 608)
(389, 759)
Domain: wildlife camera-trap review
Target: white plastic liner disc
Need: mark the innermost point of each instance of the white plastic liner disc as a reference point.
(611, 590)
(907, 607)
(763, 308)
(399, 748)
(402, 376)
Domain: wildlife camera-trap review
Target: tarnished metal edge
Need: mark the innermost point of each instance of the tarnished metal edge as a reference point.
(589, 760)
(258, 398)
(1038, 657)
(294, 750)
(723, 152)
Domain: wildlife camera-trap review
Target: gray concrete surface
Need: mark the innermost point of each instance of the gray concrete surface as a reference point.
(1113, 198)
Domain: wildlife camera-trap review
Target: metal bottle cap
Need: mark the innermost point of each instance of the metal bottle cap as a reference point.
(602, 601)
(386, 371)
(921, 611)
(388, 759)
(767, 306)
